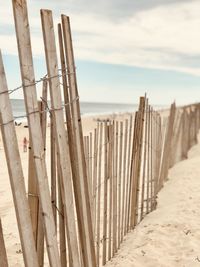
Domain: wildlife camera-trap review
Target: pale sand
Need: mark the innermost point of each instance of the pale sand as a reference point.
(169, 236)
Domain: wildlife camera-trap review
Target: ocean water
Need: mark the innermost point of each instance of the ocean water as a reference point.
(87, 108)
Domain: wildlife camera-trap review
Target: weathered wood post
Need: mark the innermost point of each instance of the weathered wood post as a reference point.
(80, 182)
(35, 131)
(16, 174)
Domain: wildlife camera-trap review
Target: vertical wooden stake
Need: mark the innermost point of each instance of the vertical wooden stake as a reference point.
(115, 176)
(151, 162)
(124, 178)
(119, 183)
(110, 179)
(104, 254)
(132, 170)
(43, 122)
(90, 164)
(94, 183)
(136, 172)
(81, 184)
(99, 193)
(145, 161)
(130, 137)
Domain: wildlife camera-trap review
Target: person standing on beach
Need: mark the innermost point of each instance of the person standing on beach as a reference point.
(25, 143)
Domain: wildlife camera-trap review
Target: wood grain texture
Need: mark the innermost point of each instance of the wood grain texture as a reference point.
(16, 174)
(35, 131)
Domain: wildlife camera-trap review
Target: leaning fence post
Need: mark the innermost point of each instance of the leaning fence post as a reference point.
(30, 95)
(137, 165)
(81, 185)
(16, 174)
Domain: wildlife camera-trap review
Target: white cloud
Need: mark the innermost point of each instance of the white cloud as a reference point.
(163, 37)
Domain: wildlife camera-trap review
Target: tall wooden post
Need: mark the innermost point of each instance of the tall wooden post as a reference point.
(136, 171)
(81, 184)
(35, 131)
(99, 193)
(105, 205)
(16, 174)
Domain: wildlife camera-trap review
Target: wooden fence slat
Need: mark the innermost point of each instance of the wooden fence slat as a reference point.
(99, 193)
(89, 169)
(40, 228)
(115, 180)
(130, 137)
(140, 141)
(91, 164)
(157, 144)
(81, 188)
(94, 180)
(161, 138)
(16, 174)
(30, 96)
(110, 180)
(136, 173)
(133, 167)
(144, 176)
(148, 159)
(87, 157)
(70, 133)
(60, 132)
(184, 138)
(151, 159)
(120, 182)
(105, 205)
(124, 178)
(43, 122)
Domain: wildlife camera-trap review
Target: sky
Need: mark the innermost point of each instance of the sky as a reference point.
(122, 48)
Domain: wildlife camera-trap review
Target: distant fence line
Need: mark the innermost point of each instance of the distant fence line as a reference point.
(101, 185)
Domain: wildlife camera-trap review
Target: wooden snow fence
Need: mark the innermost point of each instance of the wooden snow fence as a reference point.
(99, 186)
(129, 167)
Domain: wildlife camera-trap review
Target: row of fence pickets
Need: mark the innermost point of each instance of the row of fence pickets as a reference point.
(101, 185)
(127, 167)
